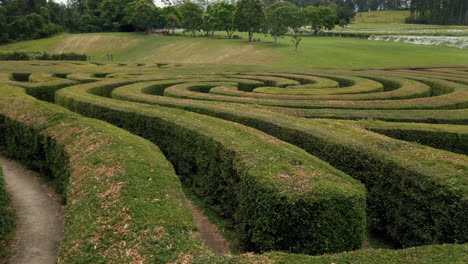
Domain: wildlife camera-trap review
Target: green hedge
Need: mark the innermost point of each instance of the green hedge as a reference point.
(39, 85)
(455, 100)
(7, 219)
(416, 196)
(395, 88)
(160, 231)
(124, 202)
(25, 56)
(279, 198)
(458, 116)
(449, 137)
(453, 254)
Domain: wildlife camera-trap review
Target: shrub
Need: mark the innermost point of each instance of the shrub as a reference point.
(7, 219)
(19, 55)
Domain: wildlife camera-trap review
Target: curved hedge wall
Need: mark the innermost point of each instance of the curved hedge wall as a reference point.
(298, 196)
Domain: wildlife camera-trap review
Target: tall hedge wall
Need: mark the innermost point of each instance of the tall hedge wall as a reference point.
(412, 195)
(7, 219)
(124, 201)
(280, 198)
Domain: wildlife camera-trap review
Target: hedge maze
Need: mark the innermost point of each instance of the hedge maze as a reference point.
(301, 162)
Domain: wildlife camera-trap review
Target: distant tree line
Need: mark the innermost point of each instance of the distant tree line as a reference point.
(441, 12)
(374, 5)
(32, 19)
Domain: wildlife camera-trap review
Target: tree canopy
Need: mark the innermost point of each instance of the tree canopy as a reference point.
(320, 17)
(249, 16)
(192, 16)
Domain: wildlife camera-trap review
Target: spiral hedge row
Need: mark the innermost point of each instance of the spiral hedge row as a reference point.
(286, 156)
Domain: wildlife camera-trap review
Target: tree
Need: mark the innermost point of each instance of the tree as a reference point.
(223, 14)
(292, 16)
(209, 21)
(142, 14)
(442, 12)
(296, 40)
(320, 17)
(170, 18)
(192, 17)
(3, 26)
(249, 16)
(113, 13)
(172, 21)
(275, 21)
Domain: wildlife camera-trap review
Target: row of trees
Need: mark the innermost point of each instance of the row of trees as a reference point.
(373, 5)
(31, 19)
(251, 16)
(442, 12)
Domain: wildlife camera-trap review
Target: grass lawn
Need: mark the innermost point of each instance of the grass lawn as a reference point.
(329, 52)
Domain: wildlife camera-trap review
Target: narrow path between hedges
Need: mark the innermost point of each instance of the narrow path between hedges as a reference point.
(39, 226)
(209, 233)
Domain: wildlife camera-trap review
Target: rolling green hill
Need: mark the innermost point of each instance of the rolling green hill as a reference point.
(386, 16)
(313, 51)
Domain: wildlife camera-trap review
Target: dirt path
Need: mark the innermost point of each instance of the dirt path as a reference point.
(209, 232)
(39, 227)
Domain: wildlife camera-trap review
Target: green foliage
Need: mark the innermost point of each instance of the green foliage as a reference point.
(415, 193)
(276, 19)
(320, 18)
(449, 12)
(192, 16)
(241, 183)
(142, 14)
(223, 14)
(292, 16)
(451, 138)
(112, 12)
(390, 175)
(170, 18)
(296, 40)
(7, 218)
(19, 56)
(209, 21)
(22, 20)
(121, 186)
(249, 16)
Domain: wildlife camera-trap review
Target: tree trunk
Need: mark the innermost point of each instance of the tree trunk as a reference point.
(276, 40)
(250, 35)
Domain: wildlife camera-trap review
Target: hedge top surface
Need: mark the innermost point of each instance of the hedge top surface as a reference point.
(437, 177)
(276, 159)
(110, 192)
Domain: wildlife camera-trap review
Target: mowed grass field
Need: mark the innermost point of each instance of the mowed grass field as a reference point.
(326, 52)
